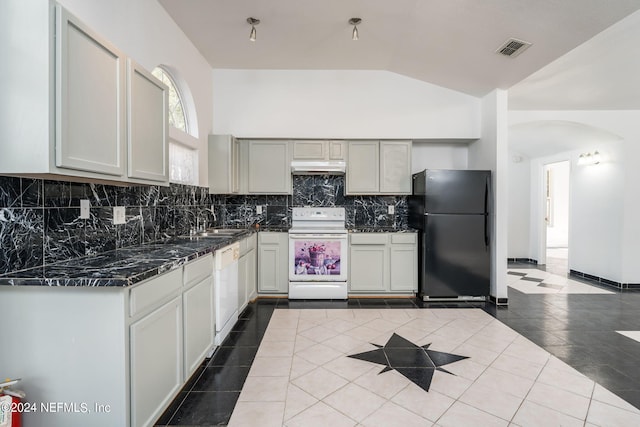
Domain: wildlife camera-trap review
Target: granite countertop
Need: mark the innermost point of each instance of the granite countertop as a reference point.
(381, 230)
(121, 267)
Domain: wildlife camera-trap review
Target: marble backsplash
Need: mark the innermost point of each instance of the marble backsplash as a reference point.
(313, 190)
(40, 224)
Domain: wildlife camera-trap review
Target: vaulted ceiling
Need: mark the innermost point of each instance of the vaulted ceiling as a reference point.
(450, 43)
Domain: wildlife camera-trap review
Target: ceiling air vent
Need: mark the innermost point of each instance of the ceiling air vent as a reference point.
(513, 47)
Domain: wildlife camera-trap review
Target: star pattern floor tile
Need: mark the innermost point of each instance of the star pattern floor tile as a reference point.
(495, 376)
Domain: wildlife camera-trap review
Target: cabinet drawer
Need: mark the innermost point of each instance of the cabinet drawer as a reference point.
(149, 293)
(410, 238)
(270, 238)
(369, 239)
(198, 270)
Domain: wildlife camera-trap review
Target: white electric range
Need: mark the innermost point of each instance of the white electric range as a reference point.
(318, 250)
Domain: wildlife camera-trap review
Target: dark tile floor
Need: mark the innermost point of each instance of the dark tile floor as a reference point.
(579, 329)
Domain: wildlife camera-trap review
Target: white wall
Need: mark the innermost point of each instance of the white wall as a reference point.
(519, 195)
(490, 152)
(338, 104)
(144, 31)
(429, 155)
(604, 202)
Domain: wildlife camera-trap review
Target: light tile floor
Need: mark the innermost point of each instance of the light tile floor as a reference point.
(302, 376)
(634, 335)
(533, 281)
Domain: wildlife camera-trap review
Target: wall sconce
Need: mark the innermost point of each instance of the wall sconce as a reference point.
(589, 158)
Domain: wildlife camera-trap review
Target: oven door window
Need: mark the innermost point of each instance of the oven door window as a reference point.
(318, 259)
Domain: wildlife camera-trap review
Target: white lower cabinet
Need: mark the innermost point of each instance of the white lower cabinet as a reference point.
(156, 362)
(403, 262)
(199, 321)
(368, 263)
(247, 272)
(383, 263)
(273, 261)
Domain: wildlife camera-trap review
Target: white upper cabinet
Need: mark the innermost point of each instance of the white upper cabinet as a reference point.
(318, 150)
(148, 125)
(90, 88)
(268, 167)
(363, 170)
(224, 164)
(67, 102)
(379, 167)
(395, 167)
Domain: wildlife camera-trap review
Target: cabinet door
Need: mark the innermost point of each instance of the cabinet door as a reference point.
(198, 324)
(90, 103)
(224, 162)
(395, 167)
(156, 362)
(363, 167)
(148, 125)
(252, 265)
(309, 150)
(242, 283)
(368, 268)
(404, 268)
(273, 252)
(269, 167)
(235, 165)
(337, 150)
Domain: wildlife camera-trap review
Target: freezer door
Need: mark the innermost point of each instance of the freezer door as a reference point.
(457, 191)
(455, 256)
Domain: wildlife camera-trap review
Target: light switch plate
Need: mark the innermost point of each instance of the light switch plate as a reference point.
(85, 208)
(391, 209)
(119, 215)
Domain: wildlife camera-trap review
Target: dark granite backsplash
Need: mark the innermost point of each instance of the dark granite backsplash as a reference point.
(313, 190)
(40, 224)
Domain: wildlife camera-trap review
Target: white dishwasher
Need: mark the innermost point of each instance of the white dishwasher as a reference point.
(226, 290)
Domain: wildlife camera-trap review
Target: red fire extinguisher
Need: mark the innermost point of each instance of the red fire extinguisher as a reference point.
(10, 403)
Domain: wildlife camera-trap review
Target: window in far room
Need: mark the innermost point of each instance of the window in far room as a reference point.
(183, 137)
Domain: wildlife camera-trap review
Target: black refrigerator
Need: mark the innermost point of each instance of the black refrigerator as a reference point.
(451, 208)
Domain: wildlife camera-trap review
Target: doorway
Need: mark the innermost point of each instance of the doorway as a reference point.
(556, 192)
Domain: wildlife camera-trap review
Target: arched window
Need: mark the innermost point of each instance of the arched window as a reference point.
(177, 116)
(183, 143)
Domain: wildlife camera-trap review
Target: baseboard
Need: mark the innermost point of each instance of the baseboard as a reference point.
(499, 301)
(603, 281)
(523, 260)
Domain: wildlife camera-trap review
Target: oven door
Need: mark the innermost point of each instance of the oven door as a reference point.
(318, 257)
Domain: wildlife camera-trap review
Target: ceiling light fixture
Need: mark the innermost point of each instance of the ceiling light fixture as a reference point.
(253, 22)
(355, 22)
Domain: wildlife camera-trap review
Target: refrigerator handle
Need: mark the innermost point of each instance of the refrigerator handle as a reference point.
(486, 213)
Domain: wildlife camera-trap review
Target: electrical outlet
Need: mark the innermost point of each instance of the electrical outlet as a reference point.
(85, 208)
(258, 209)
(119, 216)
(391, 209)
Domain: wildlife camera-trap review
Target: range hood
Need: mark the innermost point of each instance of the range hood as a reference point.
(333, 167)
